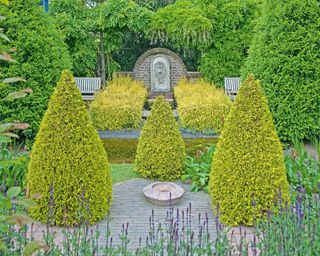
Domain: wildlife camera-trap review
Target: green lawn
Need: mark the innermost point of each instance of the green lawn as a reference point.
(122, 172)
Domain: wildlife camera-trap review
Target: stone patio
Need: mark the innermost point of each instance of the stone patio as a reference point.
(129, 205)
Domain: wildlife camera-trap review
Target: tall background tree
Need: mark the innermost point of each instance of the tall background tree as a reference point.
(41, 54)
(218, 33)
(74, 19)
(232, 35)
(285, 56)
(98, 30)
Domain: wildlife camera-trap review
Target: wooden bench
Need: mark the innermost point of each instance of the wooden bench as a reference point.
(88, 86)
(231, 86)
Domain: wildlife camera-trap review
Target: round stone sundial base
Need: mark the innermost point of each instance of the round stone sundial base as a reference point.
(163, 193)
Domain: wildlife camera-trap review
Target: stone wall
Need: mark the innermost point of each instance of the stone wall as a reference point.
(141, 69)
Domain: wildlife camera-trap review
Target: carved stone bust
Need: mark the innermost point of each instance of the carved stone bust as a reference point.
(160, 74)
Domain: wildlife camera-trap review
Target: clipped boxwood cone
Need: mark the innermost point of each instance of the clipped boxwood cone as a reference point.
(248, 169)
(161, 150)
(68, 164)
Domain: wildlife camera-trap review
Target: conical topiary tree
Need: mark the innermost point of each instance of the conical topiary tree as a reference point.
(161, 150)
(248, 171)
(68, 165)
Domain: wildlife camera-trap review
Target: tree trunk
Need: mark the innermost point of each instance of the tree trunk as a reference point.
(102, 61)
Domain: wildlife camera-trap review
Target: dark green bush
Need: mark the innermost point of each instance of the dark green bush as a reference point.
(41, 55)
(248, 165)
(233, 32)
(161, 151)
(285, 56)
(73, 18)
(68, 164)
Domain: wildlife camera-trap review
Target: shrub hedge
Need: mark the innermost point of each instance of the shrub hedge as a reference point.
(120, 105)
(201, 106)
(161, 151)
(41, 55)
(285, 56)
(232, 38)
(68, 164)
(248, 167)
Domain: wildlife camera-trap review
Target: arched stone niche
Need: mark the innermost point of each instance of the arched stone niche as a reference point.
(160, 74)
(160, 69)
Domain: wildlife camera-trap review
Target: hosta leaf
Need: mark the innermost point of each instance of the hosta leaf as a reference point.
(13, 80)
(13, 192)
(27, 202)
(15, 95)
(7, 57)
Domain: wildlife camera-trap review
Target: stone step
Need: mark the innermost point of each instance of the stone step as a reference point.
(170, 101)
(146, 113)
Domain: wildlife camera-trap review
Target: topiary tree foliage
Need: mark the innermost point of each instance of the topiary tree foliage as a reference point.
(38, 47)
(285, 56)
(161, 150)
(248, 166)
(68, 164)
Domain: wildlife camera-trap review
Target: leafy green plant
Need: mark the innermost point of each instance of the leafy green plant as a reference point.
(40, 54)
(13, 169)
(284, 55)
(302, 169)
(73, 18)
(13, 224)
(198, 169)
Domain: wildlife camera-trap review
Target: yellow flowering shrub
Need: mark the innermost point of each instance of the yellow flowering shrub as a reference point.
(201, 106)
(120, 105)
(248, 171)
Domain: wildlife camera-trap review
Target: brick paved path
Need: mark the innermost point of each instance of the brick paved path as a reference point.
(129, 205)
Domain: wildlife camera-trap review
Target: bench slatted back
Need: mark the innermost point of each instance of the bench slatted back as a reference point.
(88, 86)
(231, 86)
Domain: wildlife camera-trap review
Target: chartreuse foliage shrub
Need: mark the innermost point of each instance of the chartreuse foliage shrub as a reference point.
(161, 150)
(248, 171)
(201, 106)
(41, 54)
(120, 105)
(68, 164)
(285, 56)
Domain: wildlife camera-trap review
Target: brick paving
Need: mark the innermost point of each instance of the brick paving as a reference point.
(129, 205)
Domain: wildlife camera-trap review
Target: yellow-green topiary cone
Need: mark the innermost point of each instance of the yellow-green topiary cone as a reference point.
(161, 151)
(248, 166)
(68, 164)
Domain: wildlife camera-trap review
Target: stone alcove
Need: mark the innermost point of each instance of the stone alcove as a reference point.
(160, 69)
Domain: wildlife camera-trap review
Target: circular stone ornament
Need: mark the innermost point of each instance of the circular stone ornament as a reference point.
(163, 193)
